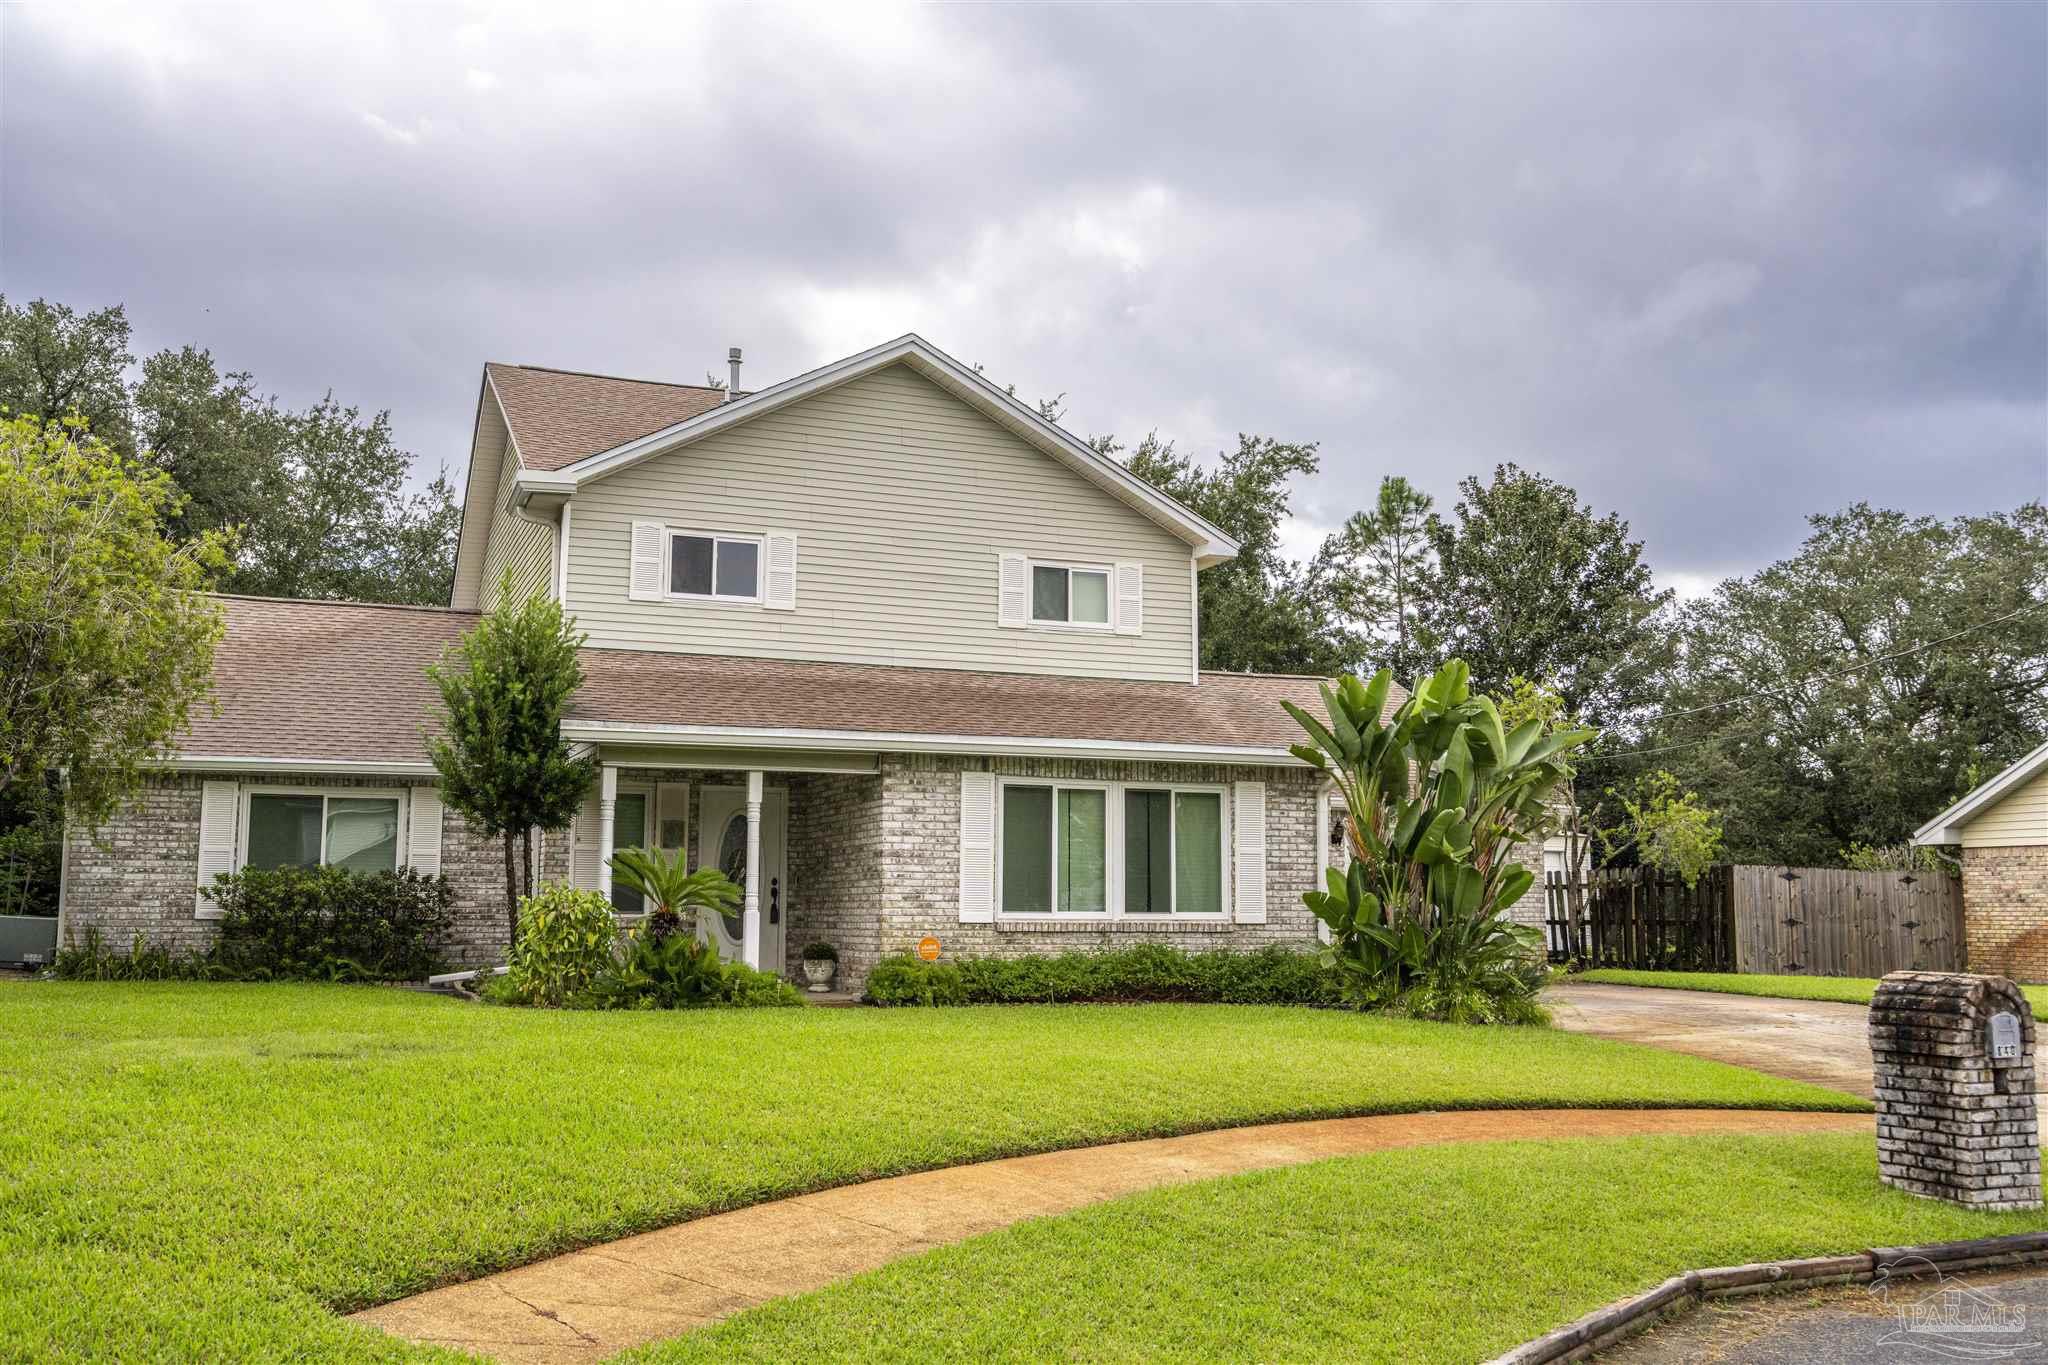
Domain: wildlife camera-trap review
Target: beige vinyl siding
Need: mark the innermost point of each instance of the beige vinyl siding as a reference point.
(902, 498)
(2020, 817)
(526, 548)
(490, 451)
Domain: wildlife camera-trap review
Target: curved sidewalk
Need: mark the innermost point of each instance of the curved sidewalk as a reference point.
(588, 1304)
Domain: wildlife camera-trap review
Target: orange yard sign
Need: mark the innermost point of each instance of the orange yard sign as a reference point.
(928, 948)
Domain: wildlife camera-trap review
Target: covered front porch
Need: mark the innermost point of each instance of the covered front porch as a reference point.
(799, 833)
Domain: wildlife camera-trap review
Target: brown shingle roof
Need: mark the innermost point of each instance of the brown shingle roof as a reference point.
(323, 680)
(344, 681)
(646, 688)
(561, 416)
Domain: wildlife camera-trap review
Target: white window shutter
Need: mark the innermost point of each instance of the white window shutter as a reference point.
(423, 832)
(781, 593)
(1248, 851)
(1013, 605)
(672, 813)
(583, 833)
(1130, 599)
(977, 848)
(219, 809)
(644, 584)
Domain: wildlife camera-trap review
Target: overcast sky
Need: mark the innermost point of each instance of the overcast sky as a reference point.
(1714, 267)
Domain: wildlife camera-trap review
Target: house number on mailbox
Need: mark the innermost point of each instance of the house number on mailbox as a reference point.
(2005, 1037)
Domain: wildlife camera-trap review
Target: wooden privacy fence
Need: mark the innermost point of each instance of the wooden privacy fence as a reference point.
(1641, 917)
(1802, 921)
(1829, 921)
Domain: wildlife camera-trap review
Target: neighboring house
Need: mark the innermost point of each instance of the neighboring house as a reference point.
(2003, 829)
(902, 656)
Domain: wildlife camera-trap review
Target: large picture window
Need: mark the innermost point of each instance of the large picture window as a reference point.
(722, 568)
(1110, 849)
(358, 831)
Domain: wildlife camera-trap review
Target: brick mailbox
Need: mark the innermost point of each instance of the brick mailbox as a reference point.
(1954, 1059)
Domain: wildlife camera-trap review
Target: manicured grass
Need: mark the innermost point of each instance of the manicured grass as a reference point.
(1449, 1254)
(1853, 990)
(203, 1172)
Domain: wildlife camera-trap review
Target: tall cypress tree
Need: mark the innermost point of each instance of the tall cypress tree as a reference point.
(500, 753)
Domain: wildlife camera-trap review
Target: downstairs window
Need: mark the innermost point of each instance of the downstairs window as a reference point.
(307, 829)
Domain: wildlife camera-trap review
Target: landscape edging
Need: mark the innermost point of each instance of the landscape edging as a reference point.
(1603, 1327)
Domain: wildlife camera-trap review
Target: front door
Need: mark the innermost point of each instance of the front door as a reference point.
(722, 843)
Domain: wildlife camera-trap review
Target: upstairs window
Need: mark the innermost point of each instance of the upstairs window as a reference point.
(718, 568)
(1067, 596)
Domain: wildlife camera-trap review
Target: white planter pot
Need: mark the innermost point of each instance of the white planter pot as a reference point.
(819, 974)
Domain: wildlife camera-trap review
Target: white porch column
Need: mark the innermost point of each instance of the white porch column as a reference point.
(750, 919)
(607, 801)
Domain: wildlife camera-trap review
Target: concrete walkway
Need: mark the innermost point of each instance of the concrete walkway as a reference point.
(588, 1304)
(1819, 1041)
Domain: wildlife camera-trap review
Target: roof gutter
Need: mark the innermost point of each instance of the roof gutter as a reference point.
(232, 763)
(876, 741)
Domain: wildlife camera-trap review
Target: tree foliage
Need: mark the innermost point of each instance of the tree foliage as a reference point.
(1530, 583)
(106, 634)
(1261, 612)
(500, 753)
(55, 363)
(1665, 827)
(1812, 705)
(319, 497)
(1381, 574)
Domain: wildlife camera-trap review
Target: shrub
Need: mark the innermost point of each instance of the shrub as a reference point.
(1145, 973)
(820, 952)
(291, 924)
(907, 981)
(93, 960)
(1437, 798)
(565, 942)
(675, 896)
(329, 924)
(677, 971)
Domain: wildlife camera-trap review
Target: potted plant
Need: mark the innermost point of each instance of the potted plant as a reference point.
(821, 960)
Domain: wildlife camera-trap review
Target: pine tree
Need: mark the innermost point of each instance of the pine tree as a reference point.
(500, 753)
(1379, 567)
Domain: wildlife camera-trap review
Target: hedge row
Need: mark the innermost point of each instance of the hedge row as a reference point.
(1148, 972)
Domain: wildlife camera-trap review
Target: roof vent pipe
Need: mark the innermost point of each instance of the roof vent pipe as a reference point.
(732, 358)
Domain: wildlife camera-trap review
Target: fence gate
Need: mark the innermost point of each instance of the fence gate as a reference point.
(1829, 921)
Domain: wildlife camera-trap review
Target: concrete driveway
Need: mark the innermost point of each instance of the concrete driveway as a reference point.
(1807, 1040)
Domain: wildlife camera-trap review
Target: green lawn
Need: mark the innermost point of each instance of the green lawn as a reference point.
(206, 1171)
(1451, 1254)
(1853, 990)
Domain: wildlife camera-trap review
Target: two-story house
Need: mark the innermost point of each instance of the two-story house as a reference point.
(900, 655)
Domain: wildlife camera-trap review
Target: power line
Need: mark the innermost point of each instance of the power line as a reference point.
(1868, 663)
(1863, 667)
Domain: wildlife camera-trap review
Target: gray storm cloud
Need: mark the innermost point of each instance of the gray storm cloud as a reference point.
(1716, 267)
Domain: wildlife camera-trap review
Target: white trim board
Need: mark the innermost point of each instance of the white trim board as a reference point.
(1947, 827)
(874, 741)
(229, 763)
(1211, 545)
